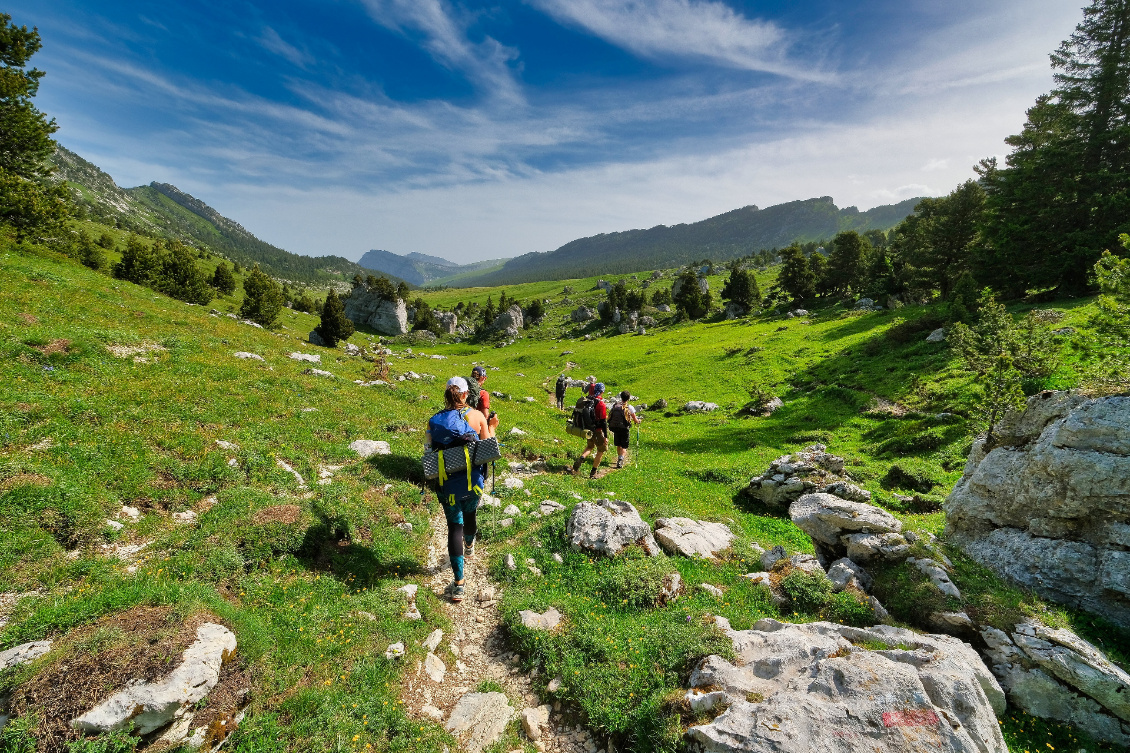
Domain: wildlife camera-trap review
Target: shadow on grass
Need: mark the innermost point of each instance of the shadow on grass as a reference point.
(329, 548)
(399, 467)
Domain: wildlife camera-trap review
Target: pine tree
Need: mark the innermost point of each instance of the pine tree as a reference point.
(489, 313)
(796, 279)
(741, 289)
(179, 277)
(846, 262)
(90, 253)
(1064, 194)
(425, 317)
(262, 298)
(28, 202)
(941, 240)
(139, 262)
(334, 325)
(691, 301)
(222, 279)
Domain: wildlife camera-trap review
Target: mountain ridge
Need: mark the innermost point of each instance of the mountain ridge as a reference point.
(163, 210)
(421, 269)
(726, 236)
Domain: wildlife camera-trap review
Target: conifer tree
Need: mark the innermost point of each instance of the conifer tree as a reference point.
(741, 288)
(90, 253)
(179, 277)
(796, 279)
(262, 298)
(138, 263)
(28, 202)
(222, 280)
(334, 325)
(1064, 194)
(691, 301)
(846, 262)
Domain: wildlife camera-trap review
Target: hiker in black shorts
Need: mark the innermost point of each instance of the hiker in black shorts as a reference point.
(620, 420)
(559, 389)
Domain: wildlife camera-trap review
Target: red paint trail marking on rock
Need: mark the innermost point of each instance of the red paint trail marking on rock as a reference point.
(914, 718)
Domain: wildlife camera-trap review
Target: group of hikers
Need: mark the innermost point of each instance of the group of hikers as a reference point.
(467, 418)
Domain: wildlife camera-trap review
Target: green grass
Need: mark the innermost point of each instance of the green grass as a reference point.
(143, 434)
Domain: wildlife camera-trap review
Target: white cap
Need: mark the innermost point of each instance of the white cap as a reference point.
(459, 382)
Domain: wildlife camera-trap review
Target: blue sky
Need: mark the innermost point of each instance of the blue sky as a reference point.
(474, 130)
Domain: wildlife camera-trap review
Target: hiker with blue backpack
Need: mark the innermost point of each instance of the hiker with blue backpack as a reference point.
(459, 491)
(590, 415)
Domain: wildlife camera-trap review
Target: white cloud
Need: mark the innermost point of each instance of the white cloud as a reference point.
(445, 38)
(270, 40)
(935, 164)
(698, 29)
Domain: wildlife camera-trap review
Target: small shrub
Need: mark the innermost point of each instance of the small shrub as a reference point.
(810, 592)
(850, 607)
(636, 579)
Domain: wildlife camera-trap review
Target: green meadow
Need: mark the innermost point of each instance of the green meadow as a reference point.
(306, 574)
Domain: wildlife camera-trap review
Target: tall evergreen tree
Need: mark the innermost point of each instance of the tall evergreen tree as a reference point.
(795, 278)
(941, 240)
(846, 262)
(691, 301)
(334, 325)
(223, 280)
(28, 202)
(1064, 194)
(139, 262)
(741, 288)
(179, 277)
(262, 298)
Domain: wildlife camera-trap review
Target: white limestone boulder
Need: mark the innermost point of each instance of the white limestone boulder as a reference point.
(607, 527)
(479, 719)
(692, 538)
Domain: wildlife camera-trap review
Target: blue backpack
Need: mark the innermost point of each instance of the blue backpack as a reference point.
(449, 428)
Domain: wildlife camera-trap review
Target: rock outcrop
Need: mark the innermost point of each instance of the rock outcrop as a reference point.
(24, 653)
(692, 538)
(815, 687)
(448, 322)
(368, 307)
(838, 528)
(509, 321)
(583, 314)
(1048, 507)
(479, 719)
(1055, 674)
(152, 705)
(607, 527)
(812, 470)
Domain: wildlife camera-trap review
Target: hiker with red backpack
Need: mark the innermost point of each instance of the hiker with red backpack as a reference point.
(591, 415)
(620, 420)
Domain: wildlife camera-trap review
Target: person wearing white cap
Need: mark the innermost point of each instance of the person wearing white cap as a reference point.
(459, 494)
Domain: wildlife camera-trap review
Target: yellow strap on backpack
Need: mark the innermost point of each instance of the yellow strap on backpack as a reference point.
(442, 472)
(467, 454)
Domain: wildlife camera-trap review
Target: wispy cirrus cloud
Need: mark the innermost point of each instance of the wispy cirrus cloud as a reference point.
(445, 38)
(694, 29)
(270, 41)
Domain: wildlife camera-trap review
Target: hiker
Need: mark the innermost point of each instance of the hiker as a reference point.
(479, 397)
(559, 388)
(592, 414)
(457, 424)
(620, 420)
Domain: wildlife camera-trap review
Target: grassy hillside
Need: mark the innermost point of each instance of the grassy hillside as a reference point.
(113, 395)
(727, 236)
(160, 210)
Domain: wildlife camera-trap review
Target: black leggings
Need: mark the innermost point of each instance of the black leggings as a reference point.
(457, 534)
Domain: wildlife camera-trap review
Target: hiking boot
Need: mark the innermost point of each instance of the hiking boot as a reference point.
(469, 550)
(592, 473)
(577, 464)
(619, 463)
(457, 592)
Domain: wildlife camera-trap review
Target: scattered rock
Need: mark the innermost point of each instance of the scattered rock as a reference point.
(432, 641)
(366, 306)
(548, 620)
(510, 563)
(24, 653)
(479, 719)
(434, 668)
(937, 336)
(954, 623)
(791, 476)
(699, 406)
(583, 314)
(413, 612)
(607, 527)
(513, 483)
(395, 651)
(792, 685)
(409, 591)
(367, 448)
(1048, 506)
(714, 591)
(289, 469)
(844, 573)
(937, 575)
(827, 519)
(534, 719)
(248, 356)
(1055, 674)
(132, 513)
(548, 507)
(148, 706)
(308, 357)
(867, 547)
(770, 558)
(511, 510)
(114, 525)
(692, 538)
(432, 712)
(188, 517)
(554, 685)
(318, 373)
(517, 432)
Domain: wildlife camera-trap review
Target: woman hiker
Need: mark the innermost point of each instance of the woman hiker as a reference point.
(459, 494)
(620, 420)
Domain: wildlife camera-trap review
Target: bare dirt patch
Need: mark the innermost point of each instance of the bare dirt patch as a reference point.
(880, 406)
(142, 353)
(24, 479)
(288, 514)
(61, 345)
(94, 661)
(28, 319)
